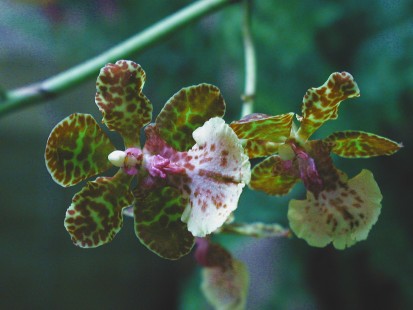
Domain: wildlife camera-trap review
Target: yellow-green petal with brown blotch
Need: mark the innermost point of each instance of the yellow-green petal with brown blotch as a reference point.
(271, 177)
(187, 110)
(342, 216)
(259, 126)
(95, 215)
(359, 144)
(119, 97)
(77, 149)
(158, 224)
(321, 104)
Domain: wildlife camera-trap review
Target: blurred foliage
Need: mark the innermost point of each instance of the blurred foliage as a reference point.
(299, 43)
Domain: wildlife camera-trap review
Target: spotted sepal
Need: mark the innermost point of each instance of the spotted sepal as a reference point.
(216, 172)
(321, 104)
(77, 149)
(158, 222)
(264, 127)
(119, 97)
(225, 286)
(358, 144)
(260, 148)
(187, 110)
(273, 176)
(342, 216)
(95, 215)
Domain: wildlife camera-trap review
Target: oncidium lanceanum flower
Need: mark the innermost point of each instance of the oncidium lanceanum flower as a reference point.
(225, 279)
(189, 175)
(336, 210)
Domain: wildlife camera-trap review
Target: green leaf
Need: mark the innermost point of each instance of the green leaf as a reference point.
(264, 127)
(321, 104)
(271, 177)
(187, 110)
(77, 149)
(158, 222)
(119, 97)
(95, 215)
(361, 144)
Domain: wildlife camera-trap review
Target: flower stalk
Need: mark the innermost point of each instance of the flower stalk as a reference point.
(250, 61)
(56, 85)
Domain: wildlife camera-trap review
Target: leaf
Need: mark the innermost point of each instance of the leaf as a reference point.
(217, 171)
(321, 104)
(361, 144)
(273, 177)
(119, 97)
(158, 222)
(342, 216)
(264, 127)
(187, 110)
(95, 215)
(77, 149)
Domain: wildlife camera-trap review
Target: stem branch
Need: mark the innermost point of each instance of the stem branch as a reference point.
(250, 61)
(56, 85)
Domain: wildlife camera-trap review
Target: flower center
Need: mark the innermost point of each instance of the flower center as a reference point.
(129, 160)
(308, 170)
(159, 166)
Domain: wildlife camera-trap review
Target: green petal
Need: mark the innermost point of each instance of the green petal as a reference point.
(361, 144)
(158, 222)
(271, 177)
(226, 288)
(264, 127)
(95, 215)
(119, 97)
(187, 110)
(321, 104)
(342, 216)
(77, 149)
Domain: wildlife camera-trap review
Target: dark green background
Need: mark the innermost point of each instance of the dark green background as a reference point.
(299, 43)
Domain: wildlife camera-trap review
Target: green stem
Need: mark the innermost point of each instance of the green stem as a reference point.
(56, 85)
(250, 62)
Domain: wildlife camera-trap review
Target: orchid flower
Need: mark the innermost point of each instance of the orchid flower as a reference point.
(189, 175)
(336, 210)
(225, 279)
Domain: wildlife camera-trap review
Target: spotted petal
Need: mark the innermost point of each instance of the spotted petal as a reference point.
(264, 127)
(361, 144)
(321, 104)
(95, 215)
(217, 170)
(226, 287)
(272, 176)
(77, 149)
(187, 110)
(119, 97)
(342, 216)
(158, 222)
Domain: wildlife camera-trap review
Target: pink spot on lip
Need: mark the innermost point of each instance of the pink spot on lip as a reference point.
(159, 166)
